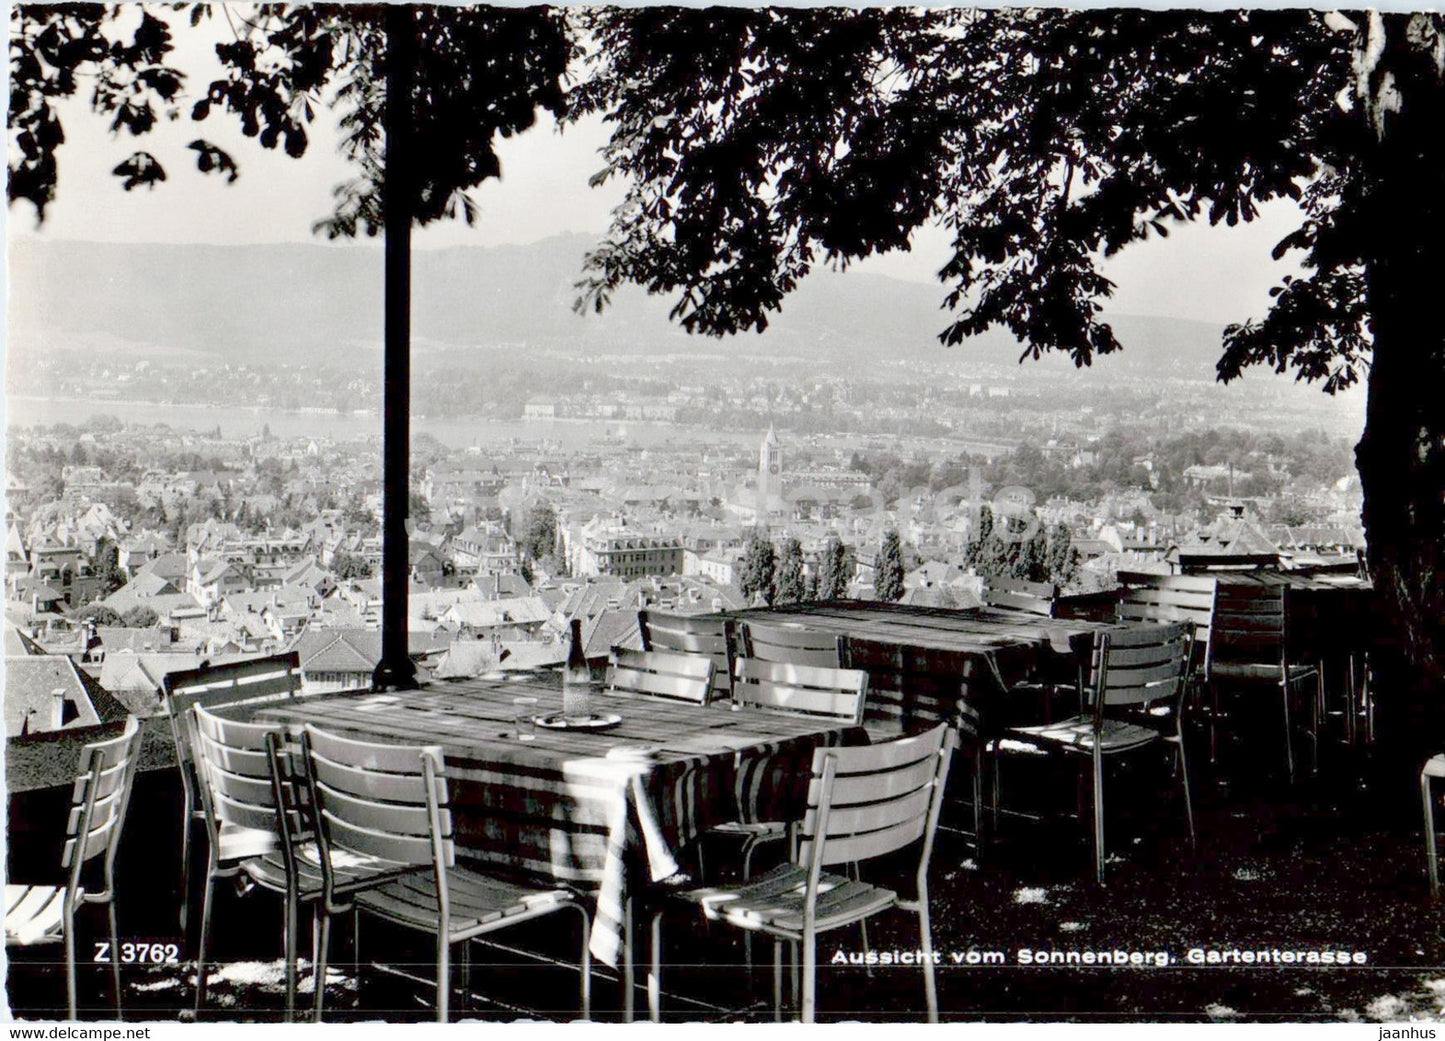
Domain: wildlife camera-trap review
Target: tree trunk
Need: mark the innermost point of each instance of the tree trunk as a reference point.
(1401, 456)
(395, 671)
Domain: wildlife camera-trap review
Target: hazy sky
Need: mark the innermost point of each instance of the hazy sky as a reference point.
(1214, 275)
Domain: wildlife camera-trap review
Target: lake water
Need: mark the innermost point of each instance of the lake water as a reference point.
(236, 421)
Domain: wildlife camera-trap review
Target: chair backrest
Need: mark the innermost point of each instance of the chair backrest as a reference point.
(246, 774)
(1138, 665)
(1249, 623)
(692, 634)
(661, 674)
(794, 644)
(256, 680)
(871, 800)
(802, 689)
(1017, 595)
(381, 801)
(1171, 598)
(98, 802)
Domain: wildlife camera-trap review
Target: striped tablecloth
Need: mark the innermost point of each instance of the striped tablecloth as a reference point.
(600, 811)
(922, 660)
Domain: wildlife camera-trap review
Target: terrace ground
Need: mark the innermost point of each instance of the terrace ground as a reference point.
(1332, 862)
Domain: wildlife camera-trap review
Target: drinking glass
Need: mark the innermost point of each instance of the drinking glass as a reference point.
(525, 711)
(577, 701)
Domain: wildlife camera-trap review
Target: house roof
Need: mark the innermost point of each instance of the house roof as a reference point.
(167, 565)
(17, 644)
(142, 587)
(611, 628)
(30, 703)
(521, 610)
(115, 638)
(129, 674)
(501, 585)
(338, 650)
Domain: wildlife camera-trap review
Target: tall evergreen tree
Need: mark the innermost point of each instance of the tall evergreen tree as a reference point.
(1030, 560)
(759, 574)
(790, 587)
(833, 570)
(888, 578)
(1062, 557)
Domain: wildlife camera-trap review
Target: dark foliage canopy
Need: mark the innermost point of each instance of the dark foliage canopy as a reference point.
(482, 72)
(758, 144)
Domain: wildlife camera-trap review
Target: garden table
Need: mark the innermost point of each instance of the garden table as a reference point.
(922, 660)
(604, 812)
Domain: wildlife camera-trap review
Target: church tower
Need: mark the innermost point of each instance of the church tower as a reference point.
(770, 466)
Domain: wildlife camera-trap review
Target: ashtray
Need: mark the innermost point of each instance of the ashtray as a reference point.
(561, 721)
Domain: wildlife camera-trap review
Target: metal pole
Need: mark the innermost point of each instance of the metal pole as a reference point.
(395, 671)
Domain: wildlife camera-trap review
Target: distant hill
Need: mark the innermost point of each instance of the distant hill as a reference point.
(274, 303)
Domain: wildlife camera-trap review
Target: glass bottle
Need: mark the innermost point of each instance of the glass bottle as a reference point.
(576, 678)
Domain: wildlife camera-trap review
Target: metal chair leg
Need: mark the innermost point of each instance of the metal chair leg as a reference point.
(1213, 723)
(444, 974)
(1432, 864)
(323, 952)
(777, 981)
(654, 975)
(114, 954)
(793, 970)
(1099, 817)
(925, 940)
(185, 908)
(856, 874)
(978, 803)
(206, 902)
(1288, 730)
(585, 965)
(1317, 723)
(288, 936)
(1188, 801)
(67, 928)
(810, 978)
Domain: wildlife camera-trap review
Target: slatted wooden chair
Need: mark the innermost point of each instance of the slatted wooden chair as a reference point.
(863, 803)
(1133, 671)
(250, 781)
(661, 674)
(1174, 598)
(831, 693)
(1014, 594)
(794, 645)
(798, 690)
(1250, 647)
(390, 802)
(42, 914)
(257, 680)
(692, 634)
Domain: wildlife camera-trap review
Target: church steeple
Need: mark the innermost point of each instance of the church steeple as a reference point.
(770, 465)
